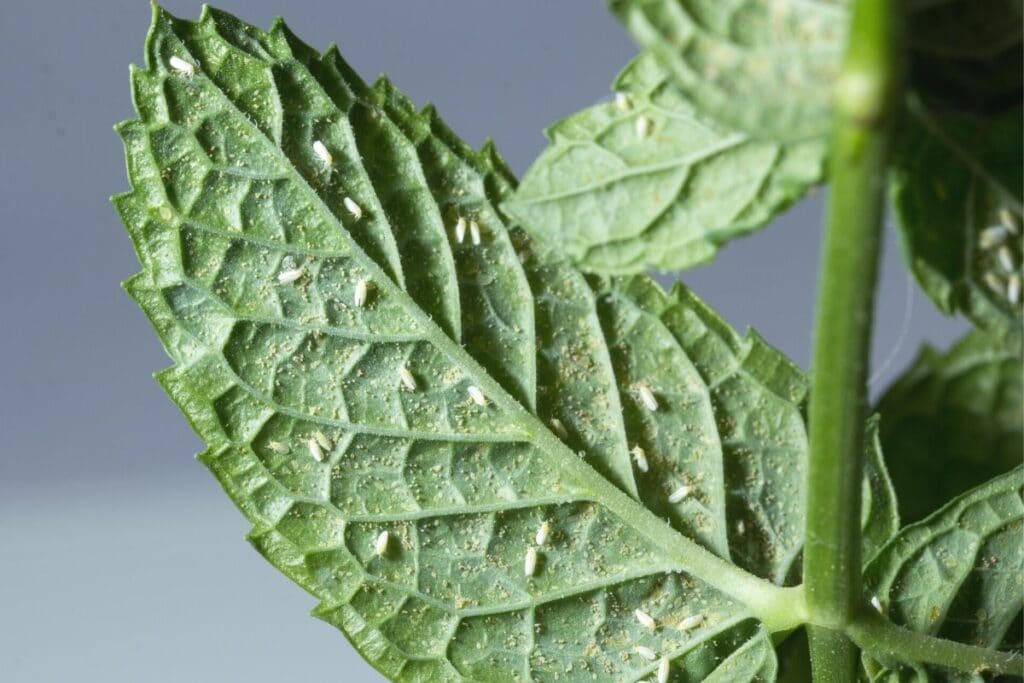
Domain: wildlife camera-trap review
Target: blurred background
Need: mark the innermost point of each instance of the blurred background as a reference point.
(120, 559)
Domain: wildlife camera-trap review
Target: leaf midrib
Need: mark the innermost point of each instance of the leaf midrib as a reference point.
(761, 597)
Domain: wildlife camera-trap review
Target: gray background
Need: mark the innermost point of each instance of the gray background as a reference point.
(120, 560)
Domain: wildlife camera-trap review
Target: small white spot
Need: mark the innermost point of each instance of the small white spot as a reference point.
(315, 450)
(642, 126)
(359, 297)
(1006, 259)
(647, 397)
(741, 527)
(322, 439)
(323, 153)
(543, 531)
(477, 395)
(1013, 289)
(408, 381)
(352, 207)
(286, 277)
(993, 235)
(278, 447)
(181, 66)
(646, 652)
(663, 667)
(380, 546)
(530, 561)
(622, 101)
(460, 230)
(645, 619)
(691, 622)
(994, 282)
(877, 604)
(474, 233)
(559, 429)
(640, 458)
(679, 494)
(1007, 219)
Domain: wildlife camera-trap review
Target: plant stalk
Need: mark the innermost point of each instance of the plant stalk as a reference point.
(867, 88)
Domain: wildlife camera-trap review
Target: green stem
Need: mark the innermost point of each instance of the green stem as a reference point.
(865, 93)
(883, 637)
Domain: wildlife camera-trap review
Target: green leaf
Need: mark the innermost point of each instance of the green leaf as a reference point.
(966, 55)
(956, 190)
(956, 416)
(761, 66)
(956, 575)
(648, 181)
(880, 519)
(252, 261)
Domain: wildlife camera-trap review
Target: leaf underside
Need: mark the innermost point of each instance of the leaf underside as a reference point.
(959, 574)
(761, 66)
(356, 368)
(648, 182)
(957, 416)
(957, 193)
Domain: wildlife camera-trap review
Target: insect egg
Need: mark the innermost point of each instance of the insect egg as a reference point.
(474, 232)
(460, 230)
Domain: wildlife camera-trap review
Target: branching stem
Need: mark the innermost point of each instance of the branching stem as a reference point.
(867, 87)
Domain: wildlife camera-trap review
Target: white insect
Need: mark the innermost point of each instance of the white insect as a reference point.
(543, 531)
(679, 494)
(359, 297)
(691, 622)
(278, 447)
(993, 235)
(323, 153)
(663, 668)
(994, 282)
(1006, 259)
(645, 619)
(877, 604)
(642, 126)
(286, 277)
(530, 561)
(622, 101)
(380, 546)
(352, 207)
(315, 450)
(647, 397)
(1013, 289)
(408, 381)
(559, 429)
(741, 528)
(646, 652)
(181, 66)
(460, 230)
(322, 440)
(1006, 218)
(640, 458)
(477, 395)
(474, 233)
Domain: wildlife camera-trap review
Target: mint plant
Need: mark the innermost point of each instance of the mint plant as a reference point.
(457, 412)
